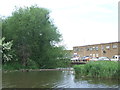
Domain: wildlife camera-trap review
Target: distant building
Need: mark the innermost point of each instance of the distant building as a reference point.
(98, 50)
(68, 53)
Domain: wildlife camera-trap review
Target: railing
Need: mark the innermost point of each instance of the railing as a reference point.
(78, 62)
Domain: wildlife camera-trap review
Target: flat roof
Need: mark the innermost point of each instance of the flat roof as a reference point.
(96, 44)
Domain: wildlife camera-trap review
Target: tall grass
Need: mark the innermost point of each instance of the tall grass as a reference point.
(102, 69)
(18, 66)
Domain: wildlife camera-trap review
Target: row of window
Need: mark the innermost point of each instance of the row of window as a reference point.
(92, 48)
(94, 55)
(108, 47)
(95, 48)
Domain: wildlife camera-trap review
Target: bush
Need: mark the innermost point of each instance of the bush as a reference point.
(32, 64)
(17, 66)
(12, 66)
(102, 69)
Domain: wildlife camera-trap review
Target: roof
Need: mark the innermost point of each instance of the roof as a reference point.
(97, 44)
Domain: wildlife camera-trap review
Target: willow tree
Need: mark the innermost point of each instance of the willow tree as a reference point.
(34, 36)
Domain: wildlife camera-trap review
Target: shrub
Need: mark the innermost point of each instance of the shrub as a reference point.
(102, 69)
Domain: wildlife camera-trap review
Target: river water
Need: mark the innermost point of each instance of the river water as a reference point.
(53, 79)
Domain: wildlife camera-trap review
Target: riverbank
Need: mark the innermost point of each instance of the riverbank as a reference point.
(99, 69)
(29, 70)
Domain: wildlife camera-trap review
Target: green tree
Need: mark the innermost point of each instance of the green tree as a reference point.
(34, 35)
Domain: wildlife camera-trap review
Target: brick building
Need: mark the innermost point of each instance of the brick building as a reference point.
(98, 50)
(68, 53)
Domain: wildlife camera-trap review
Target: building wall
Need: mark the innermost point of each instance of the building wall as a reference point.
(68, 53)
(98, 50)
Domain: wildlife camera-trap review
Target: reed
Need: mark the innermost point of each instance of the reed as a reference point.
(101, 69)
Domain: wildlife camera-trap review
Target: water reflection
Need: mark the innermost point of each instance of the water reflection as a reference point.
(97, 82)
(31, 79)
(52, 79)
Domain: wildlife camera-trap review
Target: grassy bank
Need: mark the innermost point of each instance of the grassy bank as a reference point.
(18, 66)
(63, 63)
(101, 69)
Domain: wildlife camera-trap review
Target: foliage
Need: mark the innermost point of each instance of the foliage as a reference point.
(6, 50)
(34, 37)
(102, 69)
(17, 66)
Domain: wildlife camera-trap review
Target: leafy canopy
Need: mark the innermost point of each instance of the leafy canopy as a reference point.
(34, 36)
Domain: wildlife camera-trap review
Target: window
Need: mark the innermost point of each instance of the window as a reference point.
(114, 46)
(90, 48)
(93, 48)
(102, 47)
(107, 47)
(90, 54)
(76, 49)
(96, 47)
(96, 55)
(93, 55)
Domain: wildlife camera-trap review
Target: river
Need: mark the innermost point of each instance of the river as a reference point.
(53, 79)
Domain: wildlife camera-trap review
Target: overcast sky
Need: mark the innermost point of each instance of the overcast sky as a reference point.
(81, 22)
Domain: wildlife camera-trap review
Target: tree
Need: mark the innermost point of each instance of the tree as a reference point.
(34, 35)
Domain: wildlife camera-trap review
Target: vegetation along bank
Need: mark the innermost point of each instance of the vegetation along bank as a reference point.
(100, 69)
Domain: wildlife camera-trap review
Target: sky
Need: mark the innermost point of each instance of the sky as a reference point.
(81, 22)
